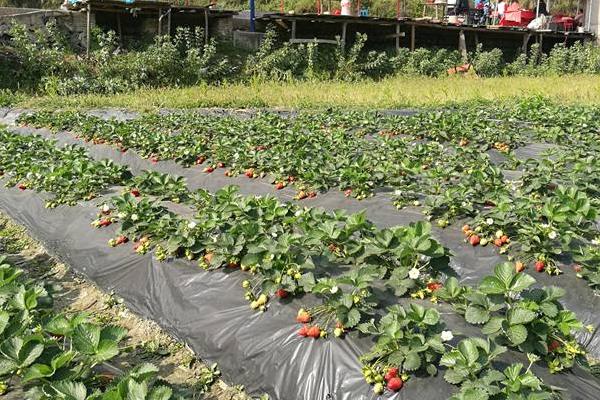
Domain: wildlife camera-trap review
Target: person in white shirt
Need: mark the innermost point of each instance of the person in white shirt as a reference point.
(500, 8)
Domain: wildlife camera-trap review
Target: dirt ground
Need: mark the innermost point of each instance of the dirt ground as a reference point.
(146, 342)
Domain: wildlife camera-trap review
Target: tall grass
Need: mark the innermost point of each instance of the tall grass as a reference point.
(393, 92)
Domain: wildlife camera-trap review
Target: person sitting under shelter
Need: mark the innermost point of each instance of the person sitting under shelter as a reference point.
(579, 17)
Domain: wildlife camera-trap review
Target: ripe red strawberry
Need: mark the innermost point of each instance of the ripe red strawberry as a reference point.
(577, 268)
(208, 170)
(208, 257)
(466, 228)
(498, 242)
(291, 178)
(249, 172)
(540, 266)
(433, 286)
(154, 159)
(233, 264)
(474, 240)
(260, 148)
(303, 331)
(221, 165)
(22, 186)
(228, 173)
(281, 293)
(135, 193)
(121, 239)
(279, 185)
(200, 160)
(312, 194)
(314, 332)
(504, 239)
(555, 344)
(395, 384)
(519, 266)
(348, 192)
(391, 373)
(303, 316)
(105, 222)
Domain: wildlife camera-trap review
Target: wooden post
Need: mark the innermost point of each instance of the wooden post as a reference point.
(206, 26)
(397, 37)
(159, 30)
(120, 29)
(169, 22)
(293, 29)
(462, 45)
(88, 29)
(526, 38)
(344, 26)
(476, 39)
(412, 37)
(541, 42)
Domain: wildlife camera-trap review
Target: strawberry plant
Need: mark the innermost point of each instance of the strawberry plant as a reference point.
(531, 319)
(55, 355)
(408, 340)
(32, 162)
(470, 365)
(166, 187)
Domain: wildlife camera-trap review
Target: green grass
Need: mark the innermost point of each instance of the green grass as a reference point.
(398, 92)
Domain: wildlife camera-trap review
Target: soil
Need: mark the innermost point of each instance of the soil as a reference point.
(146, 342)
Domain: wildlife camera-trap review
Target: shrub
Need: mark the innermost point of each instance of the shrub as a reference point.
(488, 63)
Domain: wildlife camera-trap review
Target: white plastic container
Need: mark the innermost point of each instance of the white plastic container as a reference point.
(346, 6)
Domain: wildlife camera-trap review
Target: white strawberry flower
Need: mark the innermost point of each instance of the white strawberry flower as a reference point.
(414, 273)
(191, 225)
(553, 235)
(489, 221)
(397, 192)
(134, 217)
(334, 289)
(105, 208)
(122, 215)
(446, 336)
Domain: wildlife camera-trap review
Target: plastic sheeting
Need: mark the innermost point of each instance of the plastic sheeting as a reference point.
(207, 310)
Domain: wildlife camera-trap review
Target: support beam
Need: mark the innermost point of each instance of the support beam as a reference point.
(120, 29)
(397, 38)
(412, 37)
(462, 45)
(169, 22)
(206, 25)
(159, 29)
(526, 38)
(294, 29)
(344, 27)
(88, 29)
